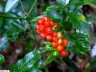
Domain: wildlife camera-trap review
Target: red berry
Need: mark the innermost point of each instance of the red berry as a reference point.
(54, 44)
(55, 39)
(43, 35)
(51, 23)
(37, 26)
(42, 28)
(49, 37)
(45, 18)
(40, 21)
(48, 30)
(38, 31)
(47, 24)
(54, 34)
(64, 53)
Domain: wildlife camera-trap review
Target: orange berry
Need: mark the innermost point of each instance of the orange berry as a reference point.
(65, 42)
(54, 44)
(60, 41)
(59, 34)
(60, 48)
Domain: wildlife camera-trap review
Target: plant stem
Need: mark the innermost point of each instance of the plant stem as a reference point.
(46, 69)
(71, 64)
(64, 13)
(32, 6)
(12, 17)
(27, 19)
(23, 8)
(36, 44)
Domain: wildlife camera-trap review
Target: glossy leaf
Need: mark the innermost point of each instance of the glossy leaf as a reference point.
(30, 63)
(50, 10)
(79, 22)
(1, 21)
(51, 57)
(54, 16)
(52, 7)
(4, 43)
(11, 4)
(1, 8)
(13, 27)
(82, 2)
(80, 43)
(2, 60)
(29, 45)
(64, 2)
(49, 48)
(36, 18)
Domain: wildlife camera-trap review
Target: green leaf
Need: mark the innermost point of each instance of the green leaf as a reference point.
(88, 2)
(63, 2)
(49, 48)
(36, 18)
(11, 4)
(79, 22)
(34, 11)
(29, 45)
(49, 10)
(48, 60)
(52, 7)
(67, 26)
(1, 21)
(79, 43)
(51, 57)
(1, 8)
(54, 16)
(4, 43)
(2, 60)
(12, 29)
(92, 65)
(81, 2)
(31, 62)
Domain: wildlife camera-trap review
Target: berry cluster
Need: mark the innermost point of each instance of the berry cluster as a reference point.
(46, 29)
